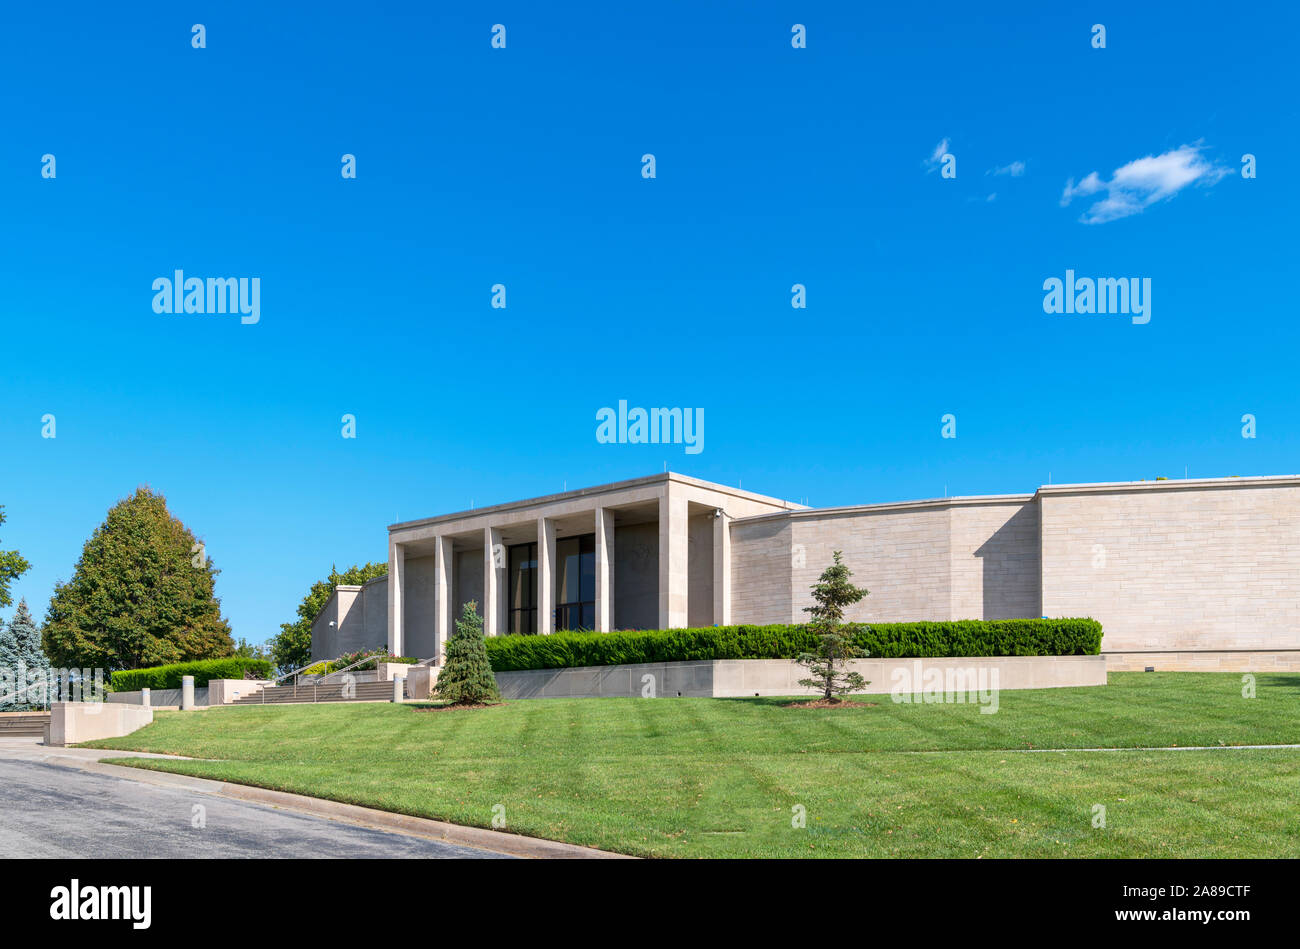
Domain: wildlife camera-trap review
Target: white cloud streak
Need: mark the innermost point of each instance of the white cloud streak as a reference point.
(1134, 187)
(936, 157)
(1015, 170)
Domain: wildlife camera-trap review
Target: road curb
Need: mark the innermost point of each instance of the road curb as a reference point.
(515, 845)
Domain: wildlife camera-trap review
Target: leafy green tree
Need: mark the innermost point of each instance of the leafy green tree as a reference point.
(141, 595)
(291, 647)
(22, 663)
(246, 650)
(831, 594)
(12, 566)
(466, 675)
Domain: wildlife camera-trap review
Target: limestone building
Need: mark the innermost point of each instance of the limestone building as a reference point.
(1196, 565)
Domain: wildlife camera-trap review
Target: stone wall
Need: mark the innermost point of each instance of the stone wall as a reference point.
(994, 560)
(1171, 566)
(761, 590)
(902, 555)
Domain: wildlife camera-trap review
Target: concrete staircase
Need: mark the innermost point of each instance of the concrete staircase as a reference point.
(23, 724)
(326, 692)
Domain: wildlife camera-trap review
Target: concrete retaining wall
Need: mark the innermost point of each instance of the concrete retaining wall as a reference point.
(734, 678)
(72, 722)
(225, 691)
(1226, 661)
(158, 698)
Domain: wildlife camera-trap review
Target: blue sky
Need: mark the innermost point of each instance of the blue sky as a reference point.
(522, 166)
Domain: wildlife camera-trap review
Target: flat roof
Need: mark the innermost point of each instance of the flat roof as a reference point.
(1170, 483)
(790, 508)
(594, 490)
(1100, 487)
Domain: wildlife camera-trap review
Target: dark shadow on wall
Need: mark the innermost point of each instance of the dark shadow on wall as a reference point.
(1011, 580)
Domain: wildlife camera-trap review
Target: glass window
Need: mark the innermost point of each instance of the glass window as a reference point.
(575, 582)
(523, 588)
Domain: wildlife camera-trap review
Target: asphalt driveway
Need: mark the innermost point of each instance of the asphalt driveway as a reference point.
(53, 810)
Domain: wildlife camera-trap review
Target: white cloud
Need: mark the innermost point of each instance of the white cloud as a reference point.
(1015, 170)
(1134, 187)
(936, 158)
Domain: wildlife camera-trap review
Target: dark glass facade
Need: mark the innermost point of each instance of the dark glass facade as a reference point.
(523, 589)
(575, 582)
(575, 585)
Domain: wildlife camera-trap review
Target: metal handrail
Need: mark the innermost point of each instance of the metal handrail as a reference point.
(375, 659)
(316, 682)
(296, 671)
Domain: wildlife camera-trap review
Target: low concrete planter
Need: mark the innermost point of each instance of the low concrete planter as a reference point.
(420, 681)
(72, 722)
(735, 678)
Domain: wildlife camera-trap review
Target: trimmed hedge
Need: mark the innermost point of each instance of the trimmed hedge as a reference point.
(204, 670)
(970, 637)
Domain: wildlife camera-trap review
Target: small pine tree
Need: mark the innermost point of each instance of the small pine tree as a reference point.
(832, 593)
(466, 675)
(22, 663)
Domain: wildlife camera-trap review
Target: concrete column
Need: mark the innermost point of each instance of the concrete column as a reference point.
(722, 569)
(545, 575)
(494, 582)
(442, 594)
(604, 570)
(399, 683)
(396, 599)
(144, 697)
(674, 553)
(187, 693)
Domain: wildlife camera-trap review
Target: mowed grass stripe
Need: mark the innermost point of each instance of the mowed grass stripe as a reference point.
(706, 777)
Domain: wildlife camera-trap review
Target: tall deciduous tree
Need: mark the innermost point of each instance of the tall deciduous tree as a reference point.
(12, 566)
(22, 663)
(291, 647)
(831, 594)
(466, 674)
(141, 595)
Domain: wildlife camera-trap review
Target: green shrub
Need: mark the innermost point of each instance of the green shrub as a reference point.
(342, 662)
(204, 670)
(377, 655)
(1006, 637)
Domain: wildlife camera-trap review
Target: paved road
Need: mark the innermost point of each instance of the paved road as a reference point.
(51, 810)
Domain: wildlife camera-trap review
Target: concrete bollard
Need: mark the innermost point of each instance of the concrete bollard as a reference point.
(144, 697)
(187, 693)
(399, 683)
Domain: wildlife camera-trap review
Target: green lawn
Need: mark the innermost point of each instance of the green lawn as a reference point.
(720, 777)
